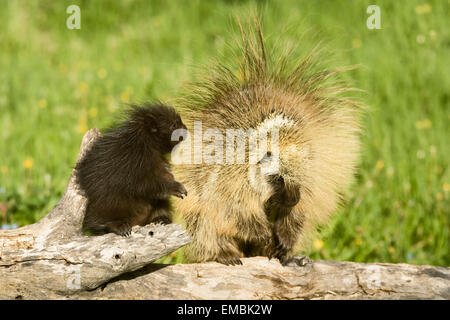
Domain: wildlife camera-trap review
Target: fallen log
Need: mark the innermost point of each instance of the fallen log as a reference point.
(52, 259)
(261, 278)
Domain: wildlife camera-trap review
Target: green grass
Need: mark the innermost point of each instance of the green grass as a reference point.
(56, 83)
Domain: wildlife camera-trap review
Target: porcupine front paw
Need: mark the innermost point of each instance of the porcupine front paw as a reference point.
(162, 220)
(281, 252)
(121, 228)
(229, 259)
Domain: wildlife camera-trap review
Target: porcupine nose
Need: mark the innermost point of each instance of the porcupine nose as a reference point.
(288, 195)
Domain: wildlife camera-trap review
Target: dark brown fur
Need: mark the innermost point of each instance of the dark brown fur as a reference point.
(278, 208)
(125, 174)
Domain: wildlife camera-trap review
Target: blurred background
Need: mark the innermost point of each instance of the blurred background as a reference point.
(57, 83)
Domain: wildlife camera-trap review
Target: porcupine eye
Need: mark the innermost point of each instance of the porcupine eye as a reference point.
(266, 158)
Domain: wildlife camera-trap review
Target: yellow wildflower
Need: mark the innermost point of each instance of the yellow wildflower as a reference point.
(102, 73)
(439, 196)
(82, 124)
(358, 241)
(28, 163)
(42, 103)
(318, 244)
(82, 128)
(446, 187)
(92, 112)
(125, 97)
(423, 9)
(83, 87)
(433, 35)
(424, 124)
(379, 165)
(4, 169)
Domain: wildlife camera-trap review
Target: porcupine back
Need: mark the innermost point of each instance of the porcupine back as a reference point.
(318, 129)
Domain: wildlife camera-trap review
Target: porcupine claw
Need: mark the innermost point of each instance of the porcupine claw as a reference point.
(124, 230)
(297, 261)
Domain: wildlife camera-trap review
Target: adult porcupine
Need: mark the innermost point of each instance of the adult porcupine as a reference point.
(272, 205)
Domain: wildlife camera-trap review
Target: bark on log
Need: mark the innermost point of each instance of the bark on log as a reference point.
(52, 259)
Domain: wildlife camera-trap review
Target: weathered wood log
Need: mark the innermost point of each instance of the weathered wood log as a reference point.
(52, 259)
(261, 278)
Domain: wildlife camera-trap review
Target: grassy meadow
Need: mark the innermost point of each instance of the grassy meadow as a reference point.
(56, 83)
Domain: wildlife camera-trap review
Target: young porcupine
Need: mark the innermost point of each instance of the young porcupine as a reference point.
(268, 207)
(125, 175)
